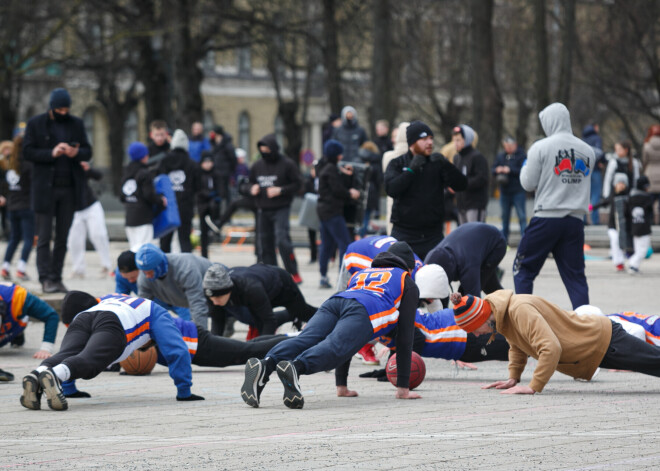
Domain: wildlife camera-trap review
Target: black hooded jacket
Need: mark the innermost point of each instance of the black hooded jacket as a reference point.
(138, 194)
(276, 170)
(333, 192)
(184, 176)
(405, 329)
(474, 166)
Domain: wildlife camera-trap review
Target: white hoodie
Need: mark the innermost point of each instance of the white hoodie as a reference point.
(558, 167)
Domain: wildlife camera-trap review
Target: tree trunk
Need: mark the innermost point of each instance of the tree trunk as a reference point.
(383, 98)
(331, 56)
(487, 100)
(567, 46)
(7, 111)
(541, 43)
(292, 129)
(151, 73)
(187, 76)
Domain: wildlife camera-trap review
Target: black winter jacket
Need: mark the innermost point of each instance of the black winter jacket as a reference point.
(89, 196)
(38, 145)
(138, 194)
(224, 156)
(183, 173)
(258, 287)
(333, 193)
(474, 166)
(278, 170)
(209, 189)
(419, 196)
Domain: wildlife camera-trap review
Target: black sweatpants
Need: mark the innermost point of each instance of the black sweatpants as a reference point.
(476, 349)
(50, 262)
(92, 342)
(214, 350)
(627, 352)
(186, 214)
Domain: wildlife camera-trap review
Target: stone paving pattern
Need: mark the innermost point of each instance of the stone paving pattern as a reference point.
(134, 423)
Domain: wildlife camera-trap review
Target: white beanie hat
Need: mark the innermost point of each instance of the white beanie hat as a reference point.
(588, 309)
(179, 140)
(432, 282)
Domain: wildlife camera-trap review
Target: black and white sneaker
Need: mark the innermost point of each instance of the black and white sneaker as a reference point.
(31, 397)
(293, 397)
(50, 385)
(255, 380)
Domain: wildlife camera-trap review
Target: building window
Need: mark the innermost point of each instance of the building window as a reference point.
(88, 122)
(244, 56)
(209, 122)
(130, 130)
(244, 131)
(279, 131)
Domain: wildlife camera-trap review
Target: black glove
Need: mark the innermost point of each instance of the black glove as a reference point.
(436, 157)
(374, 374)
(78, 394)
(192, 397)
(417, 162)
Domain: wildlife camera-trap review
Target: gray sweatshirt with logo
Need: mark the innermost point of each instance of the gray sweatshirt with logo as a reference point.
(558, 167)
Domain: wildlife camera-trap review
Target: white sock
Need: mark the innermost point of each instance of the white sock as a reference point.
(22, 265)
(6, 265)
(62, 372)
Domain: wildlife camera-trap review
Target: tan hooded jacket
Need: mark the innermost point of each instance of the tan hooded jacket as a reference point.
(560, 340)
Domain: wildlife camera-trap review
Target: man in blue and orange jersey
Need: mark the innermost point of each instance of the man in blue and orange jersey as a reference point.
(377, 300)
(104, 333)
(359, 256)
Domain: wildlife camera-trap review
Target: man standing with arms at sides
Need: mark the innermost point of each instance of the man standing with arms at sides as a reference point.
(416, 181)
(56, 143)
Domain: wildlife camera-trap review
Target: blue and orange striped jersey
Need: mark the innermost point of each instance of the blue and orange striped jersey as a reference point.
(443, 338)
(189, 333)
(14, 320)
(379, 290)
(649, 323)
(360, 254)
(134, 314)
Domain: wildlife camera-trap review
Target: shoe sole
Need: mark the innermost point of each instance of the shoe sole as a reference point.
(55, 396)
(367, 362)
(293, 397)
(253, 371)
(30, 398)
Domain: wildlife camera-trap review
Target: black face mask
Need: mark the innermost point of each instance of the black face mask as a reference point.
(60, 118)
(268, 156)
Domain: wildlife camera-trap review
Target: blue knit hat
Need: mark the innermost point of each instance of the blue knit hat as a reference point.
(137, 151)
(332, 149)
(60, 98)
(150, 257)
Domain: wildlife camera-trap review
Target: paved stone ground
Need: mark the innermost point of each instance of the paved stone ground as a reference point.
(134, 423)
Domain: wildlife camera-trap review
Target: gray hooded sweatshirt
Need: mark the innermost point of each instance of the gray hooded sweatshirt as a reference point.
(559, 167)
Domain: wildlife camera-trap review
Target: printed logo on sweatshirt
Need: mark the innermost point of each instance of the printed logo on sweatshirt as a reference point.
(177, 178)
(571, 169)
(638, 215)
(266, 180)
(128, 189)
(13, 179)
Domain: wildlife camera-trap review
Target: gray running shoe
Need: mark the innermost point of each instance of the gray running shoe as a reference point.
(50, 385)
(255, 381)
(31, 397)
(293, 397)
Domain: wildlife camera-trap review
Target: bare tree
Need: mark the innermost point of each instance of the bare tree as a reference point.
(27, 30)
(487, 100)
(568, 45)
(541, 42)
(383, 96)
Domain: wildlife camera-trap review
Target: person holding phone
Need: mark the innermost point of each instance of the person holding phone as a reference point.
(56, 143)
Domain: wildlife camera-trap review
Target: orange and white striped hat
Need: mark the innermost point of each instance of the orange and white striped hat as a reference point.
(471, 313)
